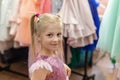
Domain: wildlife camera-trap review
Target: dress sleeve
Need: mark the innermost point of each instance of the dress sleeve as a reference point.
(40, 64)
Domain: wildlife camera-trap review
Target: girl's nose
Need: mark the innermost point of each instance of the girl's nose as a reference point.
(55, 38)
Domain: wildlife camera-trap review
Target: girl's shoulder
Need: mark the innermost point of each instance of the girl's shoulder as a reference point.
(40, 63)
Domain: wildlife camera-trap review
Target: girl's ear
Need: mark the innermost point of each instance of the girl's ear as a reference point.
(38, 37)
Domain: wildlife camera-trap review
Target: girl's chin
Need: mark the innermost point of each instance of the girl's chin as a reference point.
(55, 49)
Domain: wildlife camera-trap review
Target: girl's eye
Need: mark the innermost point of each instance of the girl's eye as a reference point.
(59, 34)
(50, 35)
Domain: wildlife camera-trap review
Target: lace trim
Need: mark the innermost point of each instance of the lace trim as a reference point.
(40, 64)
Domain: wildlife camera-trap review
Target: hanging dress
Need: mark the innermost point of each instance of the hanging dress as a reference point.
(8, 9)
(23, 31)
(78, 23)
(56, 6)
(27, 9)
(109, 38)
(93, 7)
(4, 19)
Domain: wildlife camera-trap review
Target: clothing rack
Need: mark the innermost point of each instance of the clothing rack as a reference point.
(8, 64)
(85, 75)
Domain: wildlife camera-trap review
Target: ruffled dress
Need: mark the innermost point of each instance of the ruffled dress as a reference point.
(78, 23)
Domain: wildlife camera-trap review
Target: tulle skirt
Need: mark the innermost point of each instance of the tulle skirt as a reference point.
(109, 38)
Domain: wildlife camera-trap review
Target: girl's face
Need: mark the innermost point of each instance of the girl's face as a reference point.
(51, 38)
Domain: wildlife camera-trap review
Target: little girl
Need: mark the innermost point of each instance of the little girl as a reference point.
(47, 29)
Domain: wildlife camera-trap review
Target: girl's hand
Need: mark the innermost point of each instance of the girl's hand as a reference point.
(68, 70)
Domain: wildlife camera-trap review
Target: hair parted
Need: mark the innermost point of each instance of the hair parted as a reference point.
(44, 20)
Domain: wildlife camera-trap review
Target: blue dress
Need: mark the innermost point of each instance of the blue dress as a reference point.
(93, 7)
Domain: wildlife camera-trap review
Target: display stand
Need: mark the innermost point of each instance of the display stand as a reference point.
(7, 68)
(21, 53)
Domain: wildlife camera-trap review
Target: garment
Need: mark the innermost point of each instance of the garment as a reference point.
(102, 7)
(109, 38)
(56, 6)
(14, 18)
(5, 45)
(45, 6)
(54, 64)
(0, 8)
(78, 57)
(25, 13)
(93, 7)
(6, 6)
(78, 28)
(8, 10)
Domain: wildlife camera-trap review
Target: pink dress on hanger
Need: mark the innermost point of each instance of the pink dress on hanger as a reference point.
(27, 9)
(45, 6)
(53, 64)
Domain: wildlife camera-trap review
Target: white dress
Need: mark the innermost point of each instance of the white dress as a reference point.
(56, 6)
(79, 27)
(7, 18)
(4, 27)
(8, 10)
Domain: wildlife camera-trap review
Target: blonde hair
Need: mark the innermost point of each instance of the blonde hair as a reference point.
(39, 25)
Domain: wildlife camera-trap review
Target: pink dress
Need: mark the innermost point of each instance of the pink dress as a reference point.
(54, 64)
(26, 10)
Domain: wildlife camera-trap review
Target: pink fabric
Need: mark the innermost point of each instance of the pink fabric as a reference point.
(26, 10)
(79, 27)
(57, 67)
(45, 6)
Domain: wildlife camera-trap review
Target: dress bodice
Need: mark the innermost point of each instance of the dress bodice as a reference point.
(54, 63)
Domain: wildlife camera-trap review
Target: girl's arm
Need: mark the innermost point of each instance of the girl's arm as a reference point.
(68, 70)
(40, 74)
